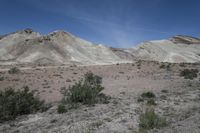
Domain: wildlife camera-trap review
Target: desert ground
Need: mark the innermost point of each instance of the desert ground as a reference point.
(177, 99)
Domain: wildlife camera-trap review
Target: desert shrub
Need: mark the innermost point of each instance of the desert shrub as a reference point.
(164, 91)
(121, 72)
(189, 73)
(61, 109)
(2, 78)
(148, 95)
(182, 65)
(151, 102)
(140, 99)
(165, 66)
(139, 63)
(13, 70)
(150, 120)
(14, 103)
(86, 91)
(162, 66)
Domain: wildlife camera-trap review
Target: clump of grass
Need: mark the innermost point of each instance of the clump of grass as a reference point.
(86, 91)
(148, 94)
(61, 109)
(148, 98)
(189, 73)
(14, 70)
(182, 65)
(121, 72)
(150, 120)
(162, 66)
(15, 103)
(165, 66)
(151, 102)
(139, 63)
(140, 99)
(164, 91)
(2, 78)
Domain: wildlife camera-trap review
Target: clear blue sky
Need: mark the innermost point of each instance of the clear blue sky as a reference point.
(117, 23)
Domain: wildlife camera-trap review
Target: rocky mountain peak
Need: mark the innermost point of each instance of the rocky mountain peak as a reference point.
(185, 39)
(59, 33)
(24, 31)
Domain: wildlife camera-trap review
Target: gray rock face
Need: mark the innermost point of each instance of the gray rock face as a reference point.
(185, 40)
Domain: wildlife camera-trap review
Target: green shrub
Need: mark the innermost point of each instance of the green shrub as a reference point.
(14, 103)
(86, 91)
(151, 102)
(148, 95)
(162, 66)
(139, 63)
(182, 65)
(165, 66)
(2, 78)
(140, 99)
(150, 120)
(164, 91)
(13, 70)
(61, 109)
(189, 73)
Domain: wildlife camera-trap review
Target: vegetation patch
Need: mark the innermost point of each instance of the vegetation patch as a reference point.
(164, 91)
(148, 94)
(148, 98)
(151, 102)
(189, 73)
(139, 64)
(61, 109)
(86, 91)
(165, 66)
(150, 120)
(14, 70)
(15, 103)
(2, 78)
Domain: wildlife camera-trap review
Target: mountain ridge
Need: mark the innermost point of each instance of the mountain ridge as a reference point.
(55, 48)
(60, 47)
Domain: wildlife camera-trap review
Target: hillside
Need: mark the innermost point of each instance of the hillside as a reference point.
(175, 50)
(58, 47)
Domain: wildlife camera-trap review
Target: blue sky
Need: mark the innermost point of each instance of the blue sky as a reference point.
(117, 23)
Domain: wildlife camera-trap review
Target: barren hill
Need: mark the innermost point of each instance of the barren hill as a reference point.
(58, 47)
(175, 50)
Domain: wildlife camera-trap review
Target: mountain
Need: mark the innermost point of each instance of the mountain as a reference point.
(58, 47)
(175, 50)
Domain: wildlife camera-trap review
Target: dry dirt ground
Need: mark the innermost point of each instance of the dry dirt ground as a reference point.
(179, 103)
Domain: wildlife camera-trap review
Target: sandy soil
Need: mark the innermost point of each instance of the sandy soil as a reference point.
(124, 83)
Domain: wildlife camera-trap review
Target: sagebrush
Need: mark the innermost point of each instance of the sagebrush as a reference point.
(189, 73)
(14, 103)
(86, 91)
(150, 120)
